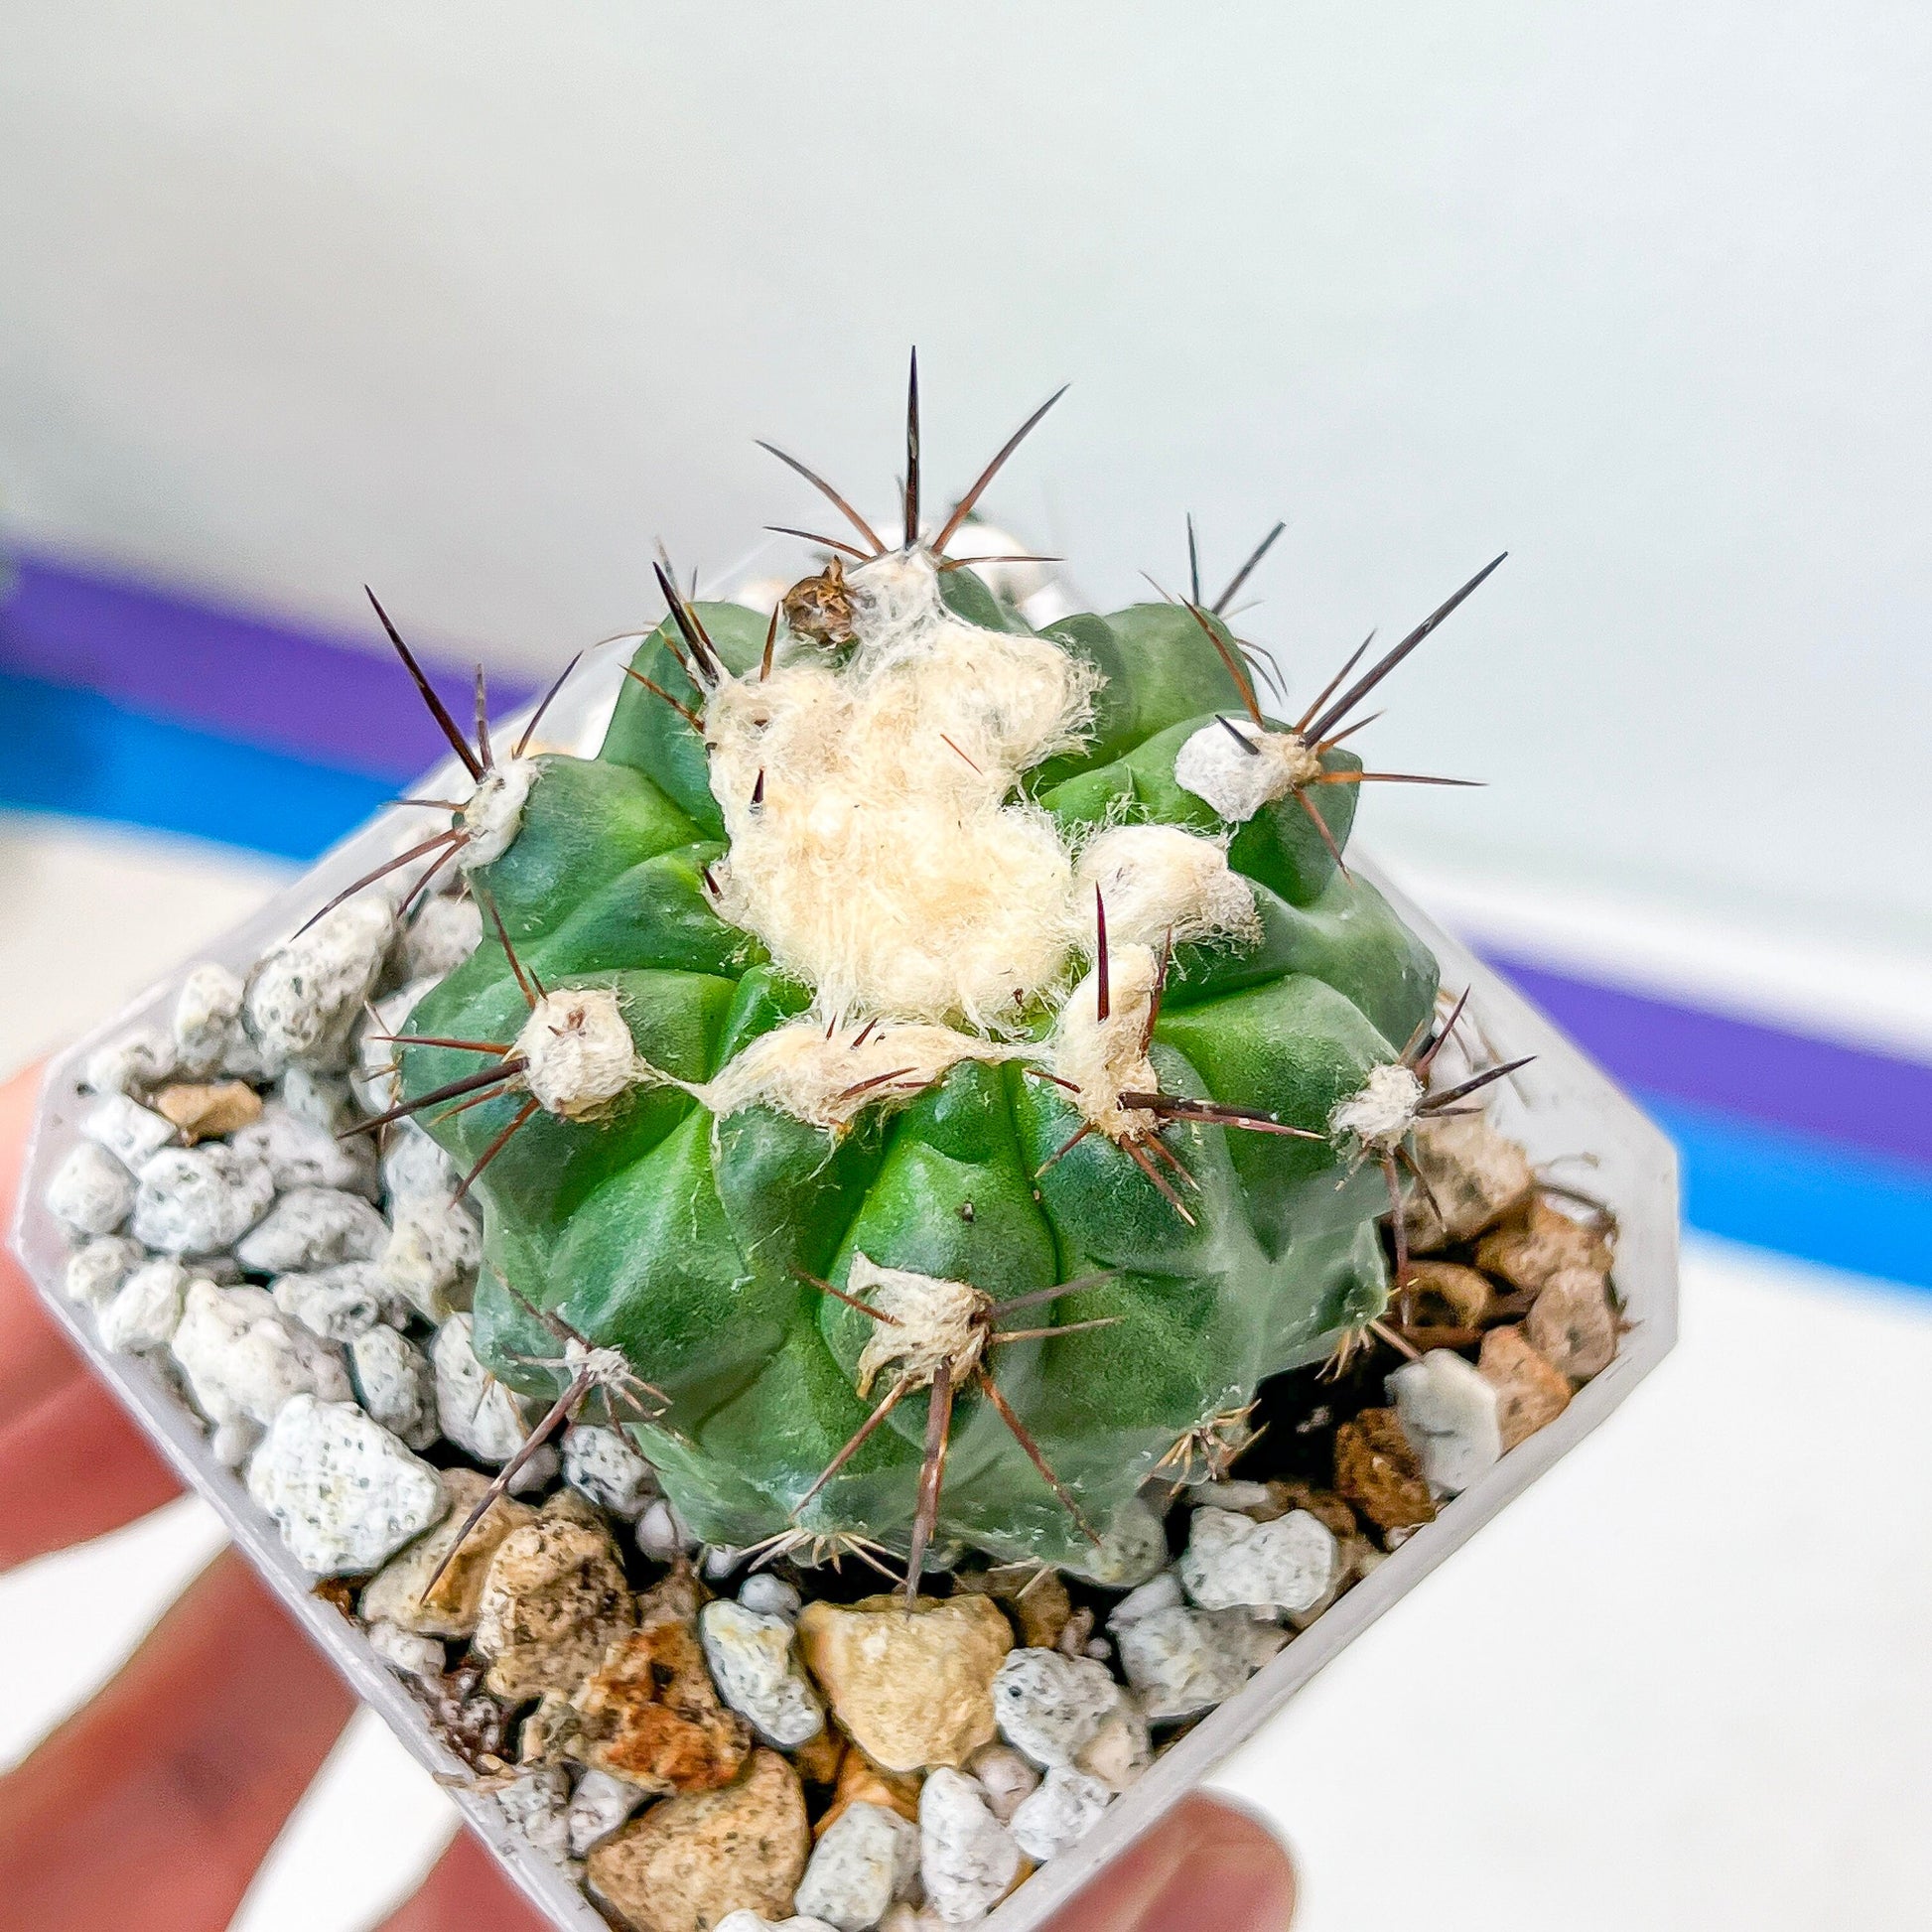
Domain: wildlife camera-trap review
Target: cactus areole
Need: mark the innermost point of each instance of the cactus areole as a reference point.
(934, 1054)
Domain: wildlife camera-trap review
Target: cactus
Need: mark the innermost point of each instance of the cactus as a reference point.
(926, 1073)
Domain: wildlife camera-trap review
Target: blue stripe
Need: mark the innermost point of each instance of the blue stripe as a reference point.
(1799, 1196)
(72, 752)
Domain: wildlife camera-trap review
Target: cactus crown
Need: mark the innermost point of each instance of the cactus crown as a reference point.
(950, 1062)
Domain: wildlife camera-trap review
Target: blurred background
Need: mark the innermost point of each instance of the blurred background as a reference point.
(478, 303)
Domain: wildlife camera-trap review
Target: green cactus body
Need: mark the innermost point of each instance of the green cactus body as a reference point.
(842, 950)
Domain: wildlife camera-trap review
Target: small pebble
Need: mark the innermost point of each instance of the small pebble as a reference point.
(554, 1600)
(1133, 1549)
(209, 1112)
(439, 938)
(476, 1412)
(96, 1268)
(135, 1061)
(1530, 1392)
(757, 1673)
(1379, 1474)
(131, 1132)
(405, 1652)
(347, 1495)
(661, 1534)
(241, 1356)
(1256, 1499)
(91, 1192)
(1475, 1175)
(434, 1250)
(1180, 1662)
(861, 1782)
(201, 1200)
(1449, 1414)
(1530, 1252)
(1230, 1559)
(399, 1592)
(1064, 1808)
(396, 1384)
(314, 1227)
(146, 1311)
(538, 1805)
(1164, 1593)
(206, 1014)
(770, 1595)
(302, 1153)
(1459, 1296)
(319, 1100)
(306, 997)
(1032, 1595)
(338, 1303)
(604, 1465)
(1119, 1750)
(689, 1862)
(233, 1443)
(912, 1688)
(1006, 1777)
(1050, 1706)
(742, 1921)
(967, 1858)
(866, 1858)
(1572, 1326)
(599, 1805)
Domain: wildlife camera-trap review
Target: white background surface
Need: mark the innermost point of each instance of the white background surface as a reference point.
(1684, 1681)
(473, 300)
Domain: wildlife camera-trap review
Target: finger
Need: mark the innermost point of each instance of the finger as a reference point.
(34, 1358)
(155, 1805)
(73, 1467)
(464, 1892)
(1205, 1867)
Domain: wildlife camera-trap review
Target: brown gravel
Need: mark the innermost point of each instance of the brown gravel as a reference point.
(1377, 1471)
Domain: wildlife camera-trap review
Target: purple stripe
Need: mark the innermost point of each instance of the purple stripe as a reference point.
(235, 677)
(1849, 1094)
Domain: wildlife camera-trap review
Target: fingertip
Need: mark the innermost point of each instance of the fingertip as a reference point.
(465, 1891)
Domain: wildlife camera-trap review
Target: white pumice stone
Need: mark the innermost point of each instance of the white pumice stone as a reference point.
(338, 1303)
(1447, 1411)
(314, 1227)
(91, 1192)
(1253, 1634)
(599, 1805)
(1134, 1548)
(1180, 1662)
(406, 1652)
(1164, 1593)
(414, 1168)
(476, 1411)
(347, 1495)
(142, 1058)
(233, 1442)
(661, 1532)
(1231, 1560)
(241, 1356)
(747, 1920)
(1064, 1808)
(866, 1857)
(538, 1805)
(204, 1015)
(95, 1270)
(306, 997)
(603, 1463)
(433, 1251)
(1005, 1775)
(200, 1201)
(757, 1673)
(397, 1385)
(1242, 1496)
(1049, 1706)
(131, 1132)
(967, 1858)
(439, 938)
(303, 1153)
(146, 1312)
(319, 1100)
(719, 1560)
(770, 1595)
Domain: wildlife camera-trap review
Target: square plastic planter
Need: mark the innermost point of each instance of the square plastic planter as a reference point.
(1562, 1108)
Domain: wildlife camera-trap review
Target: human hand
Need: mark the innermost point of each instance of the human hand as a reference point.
(155, 1804)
